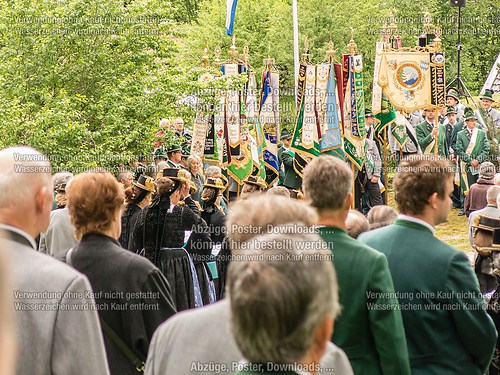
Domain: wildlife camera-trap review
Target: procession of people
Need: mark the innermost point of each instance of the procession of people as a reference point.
(240, 243)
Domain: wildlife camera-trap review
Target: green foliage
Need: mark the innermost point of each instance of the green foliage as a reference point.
(87, 82)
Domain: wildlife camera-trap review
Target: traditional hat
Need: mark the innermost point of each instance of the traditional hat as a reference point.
(450, 111)
(61, 187)
(368, 112)
(174, 148)
(487, 170)
(256, 180)
(488, 95)
(469, 114)
(186, 151)
(176, 174)
(486, 236)
(453, 93)
(215, 183)
(285, 134)
(486, 222)
(145, 183)
(159, 153)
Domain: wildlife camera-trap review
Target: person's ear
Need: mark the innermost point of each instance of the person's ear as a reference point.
(433, 200)
(42, 199)
(322, 336)
(348, 202)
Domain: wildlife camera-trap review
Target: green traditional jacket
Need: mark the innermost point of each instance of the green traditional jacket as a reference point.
(292, 179)
(370, 328)
(447, 330)
(481, 150)
(424, 138)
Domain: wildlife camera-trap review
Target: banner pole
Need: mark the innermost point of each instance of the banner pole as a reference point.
(295, 49)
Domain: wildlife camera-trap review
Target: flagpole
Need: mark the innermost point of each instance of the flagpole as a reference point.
(295, 47)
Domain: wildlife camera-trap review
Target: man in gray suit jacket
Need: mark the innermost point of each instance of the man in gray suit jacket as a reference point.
(57, 325)
(200, 340)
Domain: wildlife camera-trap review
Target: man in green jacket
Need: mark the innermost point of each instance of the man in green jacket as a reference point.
(429, 133)
(472, 148)
(447, 330)
(370, 328)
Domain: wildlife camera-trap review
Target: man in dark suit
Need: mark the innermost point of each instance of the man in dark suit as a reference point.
(286, 139)
(174, 156)
(447, 329)
(370, 329)
(54, 308)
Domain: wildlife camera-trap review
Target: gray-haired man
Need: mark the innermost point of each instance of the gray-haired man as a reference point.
(56, 321)
(283, 303)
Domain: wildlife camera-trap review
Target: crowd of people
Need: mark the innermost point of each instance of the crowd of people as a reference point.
(160, 270)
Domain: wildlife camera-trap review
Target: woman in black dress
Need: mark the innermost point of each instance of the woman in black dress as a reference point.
(132, 296)
(137, 197)
(160, 234)
(211, 211)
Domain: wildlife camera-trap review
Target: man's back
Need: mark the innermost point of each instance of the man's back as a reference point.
(447, 330)
(200, 341)
(368, 330)
(56, 335)
(58, 238)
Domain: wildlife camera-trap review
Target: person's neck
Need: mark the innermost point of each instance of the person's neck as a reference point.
(333, 219)
(11, 219)
(424, 217)
(112, 232)
(143, 203)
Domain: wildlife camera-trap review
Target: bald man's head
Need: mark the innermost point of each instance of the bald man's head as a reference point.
(26, 189)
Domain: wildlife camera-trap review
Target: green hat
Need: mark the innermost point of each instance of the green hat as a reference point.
(186, 151)
(368, 112)
(453, 93)
(488, 95)
(159, 153)
(450, 111)
(285, 134)
(174, 148)
(469, 114)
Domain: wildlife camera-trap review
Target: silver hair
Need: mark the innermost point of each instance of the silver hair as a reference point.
(492, 194)
(259, 213)
(61, 178)
(212, 170)
(356, 223)
(327, 182)
(192, 158)
(496, 179)
(23, 170)
(281, 295)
